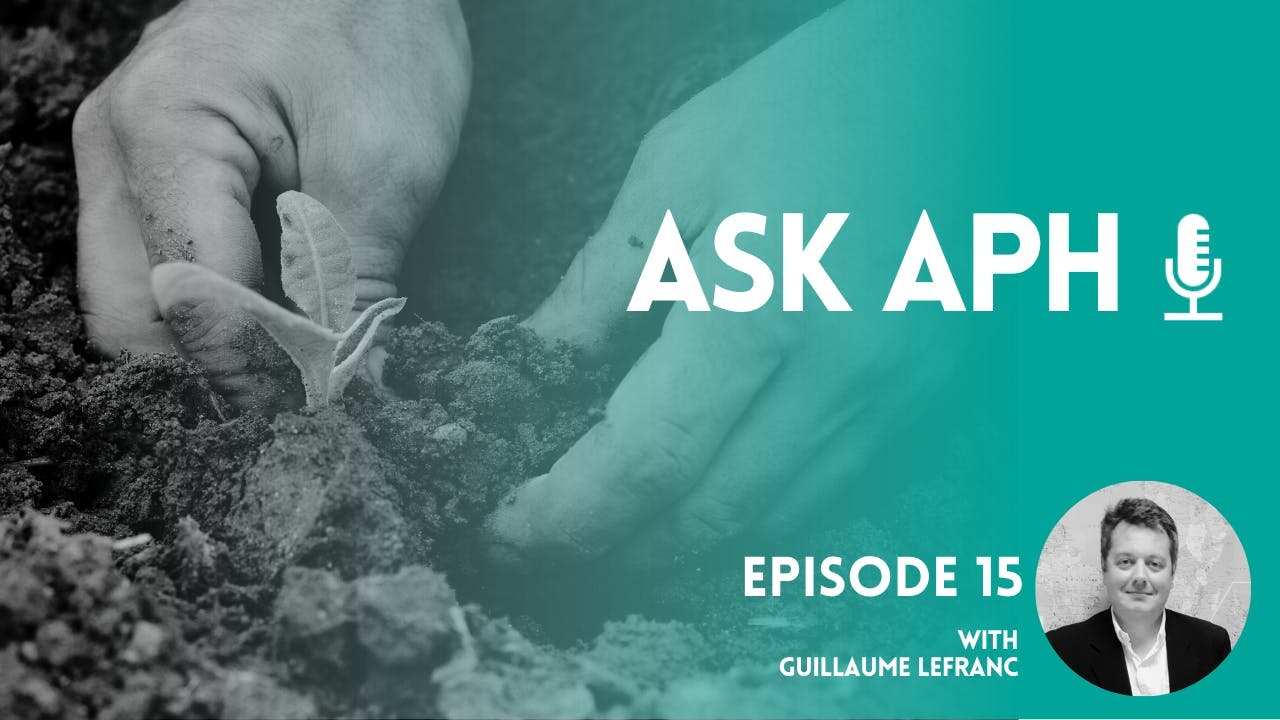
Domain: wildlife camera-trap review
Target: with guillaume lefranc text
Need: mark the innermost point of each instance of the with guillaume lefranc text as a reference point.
(977, 664)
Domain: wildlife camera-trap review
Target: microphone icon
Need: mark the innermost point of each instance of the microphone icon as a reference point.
(1193, 279)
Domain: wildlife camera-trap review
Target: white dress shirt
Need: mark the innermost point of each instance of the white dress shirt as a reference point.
(1149, 673)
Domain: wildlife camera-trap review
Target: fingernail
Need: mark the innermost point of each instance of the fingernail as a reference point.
(508, 529)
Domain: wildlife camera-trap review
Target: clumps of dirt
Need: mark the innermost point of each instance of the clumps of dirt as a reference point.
(316, 496)
(372, 642)
(481, 415)
(82, 640)
(69, 617)
(18, 487)
(155, 427)
(500, 673)
(624, 672)
(193, 563)
(91, 627)
(140, 443)
(38, 371)
(652, 652)
(400, 644)
(57, 53)
(44, 87)
(51, 54)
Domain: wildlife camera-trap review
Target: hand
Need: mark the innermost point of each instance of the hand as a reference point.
(732, 420)
(221, 107)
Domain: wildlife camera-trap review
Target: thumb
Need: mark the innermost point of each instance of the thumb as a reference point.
(193, 177)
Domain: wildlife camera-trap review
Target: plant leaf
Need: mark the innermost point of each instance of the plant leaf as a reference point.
(309, 345)
(315, 260)
(357, 340)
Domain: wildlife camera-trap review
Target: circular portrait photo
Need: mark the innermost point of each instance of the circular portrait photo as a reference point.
(1142, 588)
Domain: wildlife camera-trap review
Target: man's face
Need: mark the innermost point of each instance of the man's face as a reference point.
(1139, 571)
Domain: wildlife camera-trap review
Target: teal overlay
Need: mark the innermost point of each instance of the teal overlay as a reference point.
(970, 434)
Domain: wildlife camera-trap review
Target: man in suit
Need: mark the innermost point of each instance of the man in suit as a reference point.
(1137, 646)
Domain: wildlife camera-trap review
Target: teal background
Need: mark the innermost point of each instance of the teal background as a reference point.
(1152, 115)
(1148, 112)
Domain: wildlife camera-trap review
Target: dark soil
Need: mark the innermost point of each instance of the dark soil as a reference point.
(162, 555)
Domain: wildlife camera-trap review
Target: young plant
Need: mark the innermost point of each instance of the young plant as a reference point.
(317, 274)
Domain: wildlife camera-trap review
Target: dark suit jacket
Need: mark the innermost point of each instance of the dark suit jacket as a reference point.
(1092, 650)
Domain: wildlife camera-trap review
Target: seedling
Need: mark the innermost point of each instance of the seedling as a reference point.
(317, 274)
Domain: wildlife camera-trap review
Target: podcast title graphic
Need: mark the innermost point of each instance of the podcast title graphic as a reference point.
(1190, 273)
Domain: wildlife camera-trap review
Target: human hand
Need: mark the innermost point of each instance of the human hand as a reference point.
(221, 107)
(735, 420)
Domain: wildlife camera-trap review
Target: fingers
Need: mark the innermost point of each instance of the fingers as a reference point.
(192, 178)
(662, 427)
(794, 419)
(220, 104)
(163, 178)
(113, 271)
(851, 407)
(588, 306)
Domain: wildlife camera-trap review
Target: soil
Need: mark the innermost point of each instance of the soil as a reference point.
(162, 555)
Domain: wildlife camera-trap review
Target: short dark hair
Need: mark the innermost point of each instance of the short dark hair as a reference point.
(1142, 512)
